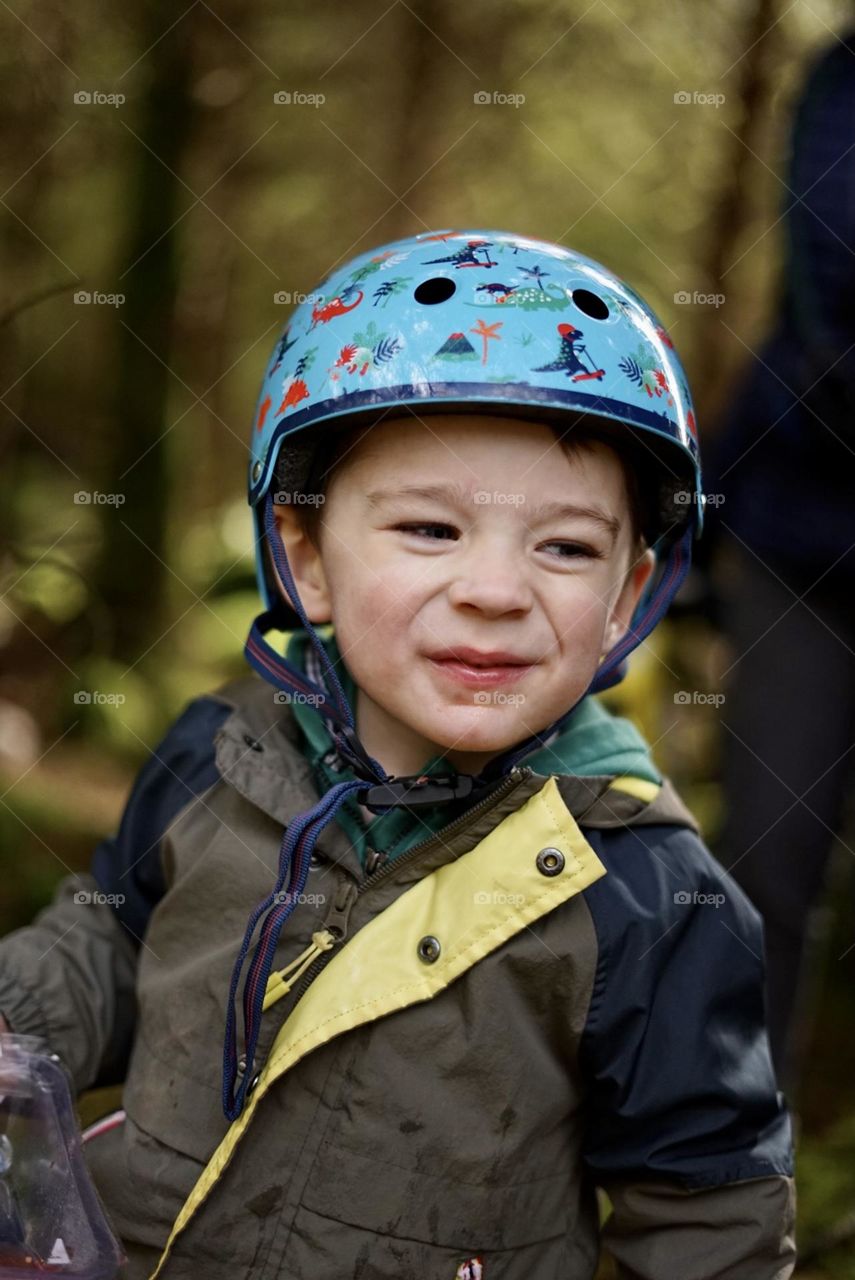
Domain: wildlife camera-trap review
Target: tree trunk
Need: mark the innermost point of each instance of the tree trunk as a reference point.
(131, 575)
(734, 210)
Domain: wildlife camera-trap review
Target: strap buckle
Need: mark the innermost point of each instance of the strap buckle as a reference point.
(415, 790)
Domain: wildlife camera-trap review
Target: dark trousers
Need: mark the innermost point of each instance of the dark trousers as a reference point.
(788, 741)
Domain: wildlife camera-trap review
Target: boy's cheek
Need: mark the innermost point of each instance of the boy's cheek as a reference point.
(584, 614)
(380, 602)
(369, 636)
(387, 612)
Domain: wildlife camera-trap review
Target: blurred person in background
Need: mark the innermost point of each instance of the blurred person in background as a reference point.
(782, 549)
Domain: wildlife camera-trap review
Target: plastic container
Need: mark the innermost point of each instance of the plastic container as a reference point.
(51, 1219)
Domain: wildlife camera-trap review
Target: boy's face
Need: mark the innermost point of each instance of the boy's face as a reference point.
(448, 534)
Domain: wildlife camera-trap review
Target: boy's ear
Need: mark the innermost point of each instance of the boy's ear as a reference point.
(630, 594)
(306, 565)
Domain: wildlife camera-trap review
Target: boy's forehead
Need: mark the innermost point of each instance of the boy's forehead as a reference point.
(458, 458)
(437, 433)
(447, 441)
(460, 424)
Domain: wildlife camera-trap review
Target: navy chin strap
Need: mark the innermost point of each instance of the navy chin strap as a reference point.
(373, 787)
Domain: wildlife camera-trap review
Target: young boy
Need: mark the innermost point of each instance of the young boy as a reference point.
(489, 966)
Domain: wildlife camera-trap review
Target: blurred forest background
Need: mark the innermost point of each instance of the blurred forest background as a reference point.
(147, 165)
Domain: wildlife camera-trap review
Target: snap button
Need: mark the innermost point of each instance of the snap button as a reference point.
(252, 743)
(429, 949)
(315, 861)
(256, 472)
(241, 1067)
(550, 862)
(253, 1082)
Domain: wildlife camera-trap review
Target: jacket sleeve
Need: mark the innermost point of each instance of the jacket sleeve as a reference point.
(70, 975)
(687, 1132)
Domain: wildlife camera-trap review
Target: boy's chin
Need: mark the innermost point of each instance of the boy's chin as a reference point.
(479, 739)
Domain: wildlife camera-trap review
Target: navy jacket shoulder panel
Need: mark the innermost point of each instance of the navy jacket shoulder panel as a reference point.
(675, 1050)
(180, 768)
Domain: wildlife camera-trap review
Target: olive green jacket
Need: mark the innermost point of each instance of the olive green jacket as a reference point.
(559, 991)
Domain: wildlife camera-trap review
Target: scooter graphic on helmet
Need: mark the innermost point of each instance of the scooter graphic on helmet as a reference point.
(570, 357)
(467, 256)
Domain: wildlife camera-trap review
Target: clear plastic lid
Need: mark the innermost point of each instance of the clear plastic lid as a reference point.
(51, 1219)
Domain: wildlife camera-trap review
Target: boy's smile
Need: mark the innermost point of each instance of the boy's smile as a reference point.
(475, 573)
(480, 669)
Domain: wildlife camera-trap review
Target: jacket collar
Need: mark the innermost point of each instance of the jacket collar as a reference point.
(259, 752)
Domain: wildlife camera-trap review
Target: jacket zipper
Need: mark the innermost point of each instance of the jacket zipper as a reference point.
(346, 897)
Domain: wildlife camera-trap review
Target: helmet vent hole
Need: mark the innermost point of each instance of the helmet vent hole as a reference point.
(430, 292)
(591, 304)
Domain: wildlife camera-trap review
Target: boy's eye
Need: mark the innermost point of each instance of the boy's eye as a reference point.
(431, 526)
(436, 531)
(568, 550)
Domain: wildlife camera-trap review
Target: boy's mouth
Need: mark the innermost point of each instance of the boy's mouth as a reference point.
(481, 668)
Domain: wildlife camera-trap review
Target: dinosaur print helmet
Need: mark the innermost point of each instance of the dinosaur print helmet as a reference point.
(479, 321)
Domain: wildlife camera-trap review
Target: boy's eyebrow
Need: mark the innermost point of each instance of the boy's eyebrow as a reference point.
(459, 493)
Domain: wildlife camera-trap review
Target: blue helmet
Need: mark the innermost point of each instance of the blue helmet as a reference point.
(479, 321)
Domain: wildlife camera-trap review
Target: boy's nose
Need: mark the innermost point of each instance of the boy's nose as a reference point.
(493, 584)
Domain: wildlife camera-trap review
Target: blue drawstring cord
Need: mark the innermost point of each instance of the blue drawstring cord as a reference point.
(299, 839)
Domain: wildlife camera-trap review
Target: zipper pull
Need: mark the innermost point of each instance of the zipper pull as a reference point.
(281, 982)
(373, 859)
(342, 904)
